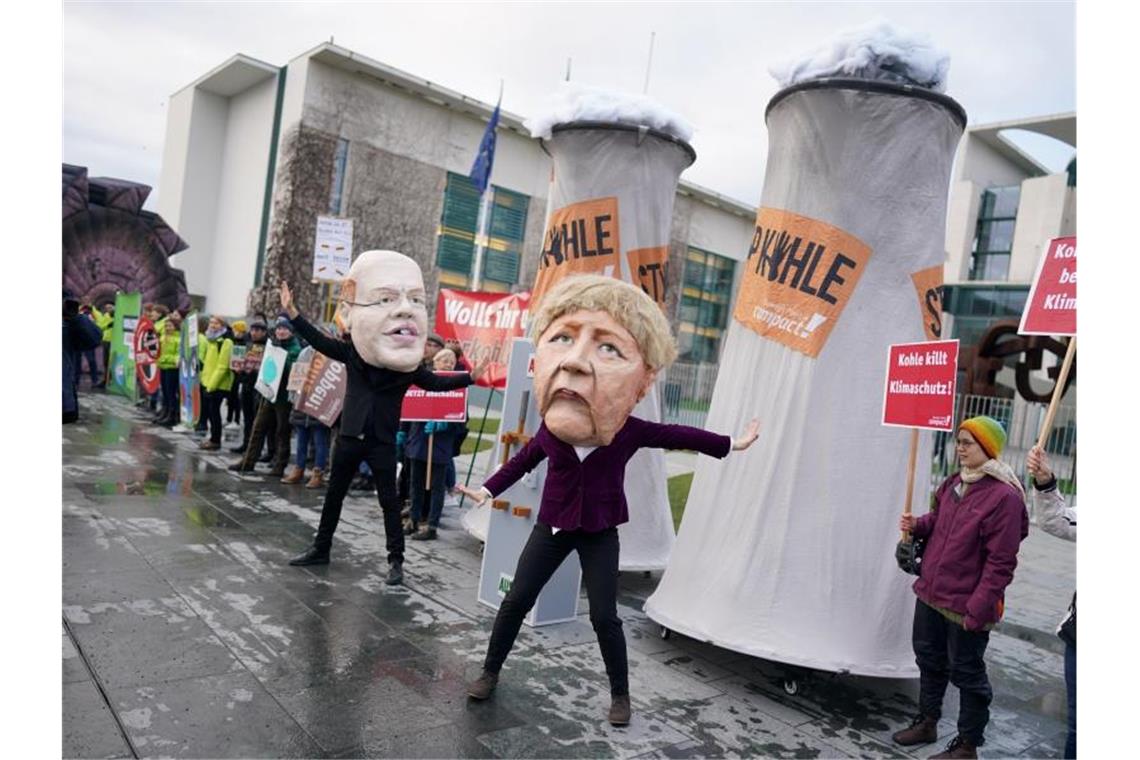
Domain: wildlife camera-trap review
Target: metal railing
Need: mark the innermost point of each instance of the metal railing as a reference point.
(687, 390)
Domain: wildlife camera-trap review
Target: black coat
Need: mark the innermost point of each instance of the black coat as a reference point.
(373, 395)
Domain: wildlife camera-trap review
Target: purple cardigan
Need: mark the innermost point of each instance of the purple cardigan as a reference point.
(589, 495)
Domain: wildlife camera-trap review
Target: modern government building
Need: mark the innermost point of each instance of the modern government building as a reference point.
(254, 153)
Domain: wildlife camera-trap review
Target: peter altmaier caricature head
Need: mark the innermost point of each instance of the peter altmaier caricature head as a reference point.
(383, 306)
(599, 344)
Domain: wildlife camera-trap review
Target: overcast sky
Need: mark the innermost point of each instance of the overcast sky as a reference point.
(710, 62)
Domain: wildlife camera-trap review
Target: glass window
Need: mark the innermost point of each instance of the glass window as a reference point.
(455, 250)
(993, 240)
(705, 296)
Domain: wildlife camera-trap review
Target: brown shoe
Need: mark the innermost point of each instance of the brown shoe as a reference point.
(620, 710)
(958, 748)
(294, 477)
(922, 730)
(317, 479)
(425, 533)
(209, 446)
(482, 686)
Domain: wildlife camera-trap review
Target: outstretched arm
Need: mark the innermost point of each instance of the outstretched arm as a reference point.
(325, 344)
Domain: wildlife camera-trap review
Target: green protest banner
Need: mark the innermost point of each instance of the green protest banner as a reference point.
(188, 384)
(121, 377)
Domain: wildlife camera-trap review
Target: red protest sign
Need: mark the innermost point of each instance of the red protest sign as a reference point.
(484, 324)
(1051, 308)
(146, 355)
(434, 406)
(919, 391)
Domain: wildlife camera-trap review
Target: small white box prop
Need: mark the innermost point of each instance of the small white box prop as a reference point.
(513, 514)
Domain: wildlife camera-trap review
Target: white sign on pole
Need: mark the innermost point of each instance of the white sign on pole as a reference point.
(332, 254)
(269, 376)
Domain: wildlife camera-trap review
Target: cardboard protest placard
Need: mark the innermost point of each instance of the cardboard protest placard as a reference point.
(269, 376)
(798, 277)
(237, 357)
(146, 346)
(485, 324)
(920, 386)
(121, 373)
(253, 357)
(190, 403)
(332, 254)
(582, 238)
(1051, 308)
(299, 372)
(323, 394)
(434, 406)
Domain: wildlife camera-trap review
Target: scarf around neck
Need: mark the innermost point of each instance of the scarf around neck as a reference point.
(996, 469)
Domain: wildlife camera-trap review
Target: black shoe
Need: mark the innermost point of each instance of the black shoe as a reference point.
(239, 449)
(395, 574)
(239, 467)
(311, 556)
(482, 686)
(266, 458)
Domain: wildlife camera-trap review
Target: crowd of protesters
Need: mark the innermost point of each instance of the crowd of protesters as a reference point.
(960, 592)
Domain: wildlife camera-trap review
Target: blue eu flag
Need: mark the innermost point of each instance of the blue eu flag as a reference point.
(481, 169)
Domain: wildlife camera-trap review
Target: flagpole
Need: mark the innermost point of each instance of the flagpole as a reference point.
(481, 236)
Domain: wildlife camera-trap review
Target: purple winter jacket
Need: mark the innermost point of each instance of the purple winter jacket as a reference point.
(971, 548)
(589, 495)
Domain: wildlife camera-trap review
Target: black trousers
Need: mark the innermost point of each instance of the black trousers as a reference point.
(540, 558)
(381, 458)
(272, 420)
(212, 400)
(168, 379)
(948, 653)
(248, 406)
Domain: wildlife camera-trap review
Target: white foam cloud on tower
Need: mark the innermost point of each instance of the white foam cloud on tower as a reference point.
(876, 50)
(577, 102)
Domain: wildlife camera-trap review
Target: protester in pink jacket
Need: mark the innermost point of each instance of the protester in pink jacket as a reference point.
(976, 524)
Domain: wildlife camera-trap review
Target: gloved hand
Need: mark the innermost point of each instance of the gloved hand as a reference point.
(433, 427)
(401, 438)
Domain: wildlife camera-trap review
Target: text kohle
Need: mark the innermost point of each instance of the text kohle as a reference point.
(578, 238)
(779, 256)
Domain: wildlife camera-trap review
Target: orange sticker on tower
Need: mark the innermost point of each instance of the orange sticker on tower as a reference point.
(798, 277)
(649, 268)
(928, 285)
(581, 238)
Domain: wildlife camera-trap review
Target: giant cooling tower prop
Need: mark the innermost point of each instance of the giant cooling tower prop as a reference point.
(787, 553)
(617, 160)
(111, 244)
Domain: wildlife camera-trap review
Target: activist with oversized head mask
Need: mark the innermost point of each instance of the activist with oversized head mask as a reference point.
(599, 344)
(382, 308)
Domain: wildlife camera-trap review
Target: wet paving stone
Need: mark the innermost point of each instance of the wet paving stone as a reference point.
(89, 729)
(228, 715)
(179, 602)
(145, 641)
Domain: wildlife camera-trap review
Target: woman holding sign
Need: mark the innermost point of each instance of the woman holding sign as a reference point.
(976, 523)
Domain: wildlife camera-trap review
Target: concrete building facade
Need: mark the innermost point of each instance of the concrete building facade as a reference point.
(255, 153)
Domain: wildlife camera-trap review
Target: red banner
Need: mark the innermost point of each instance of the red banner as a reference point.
(1051, 308)
(434, 406)
(484, 324)
(920, 384)
(146, 355)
